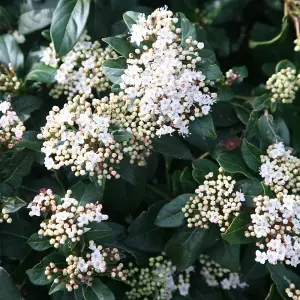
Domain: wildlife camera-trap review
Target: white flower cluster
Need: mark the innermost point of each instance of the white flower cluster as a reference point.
(280, 169)
(160, 280)
(284, 85)
(68, 218)
(98, 260)
(231, 77)
(9, 82)
(215, 202)
(80, 70)
(89, 137)
(161, 77)
(4, 216)
(44, 201)
(215, 275)
(276, 223)
(11, 127)
(292, 292)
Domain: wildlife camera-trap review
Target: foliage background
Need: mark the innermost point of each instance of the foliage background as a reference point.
(241, 32)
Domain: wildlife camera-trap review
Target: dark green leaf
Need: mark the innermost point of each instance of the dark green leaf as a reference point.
(251, 188)
(143, 234)
(39, 243)
(68, 22)
(202, 167)
(10, 52)
(235, 233)
(171, 214)
(42, 73)
(242, 113)
(98, 231)
(273, 293)
(262, 102)
(171, 146)
(226, 255)
(30, 141)
(37, 273)
(284, 64)
(243, 72)
(98, 291)
(267, 128)
(282, 276)
(185, 246)
(187, 29)
(87, 192)
(130, 18)
(121, 45)
(55, 287)
(8, 290)
(203, 126)
(114, 68)
(122, 135)
(232, 162)
(251, 155)
(25, 105)
(282, 130)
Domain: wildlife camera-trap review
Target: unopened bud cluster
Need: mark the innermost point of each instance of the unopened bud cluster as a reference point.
(284, 85)
(215, 275)
(162, 77)
(160, 280)
(68, 219)
(4, 216)
(11, 127)
(9, 82)
(231, 77)
(292, 292)
(93, 138)
(280, 169)
(276, 224)
(98, 260)
(81, 69)
(216, 202)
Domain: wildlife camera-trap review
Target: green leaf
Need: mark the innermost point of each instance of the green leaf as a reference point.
(235, 233)
(227, 255)
(202, 167)
(243, 72)
(143, 234)
(25, 105)
(55, 287)
(127, 171)
(185, 246)
(273, 293)
(277, 39)
(39, 243)
(267, 128)
(282, 130)
(130, 18)
(12, 204)
(284, 64)
(42, 73)
(203, 126)
(20, 170)
(171, 146)
(242, 113)
(171, 214)
(251, 155)
(8, 290)
(6, 18)
(212, 72)
(98, 231)
(282, 276)
(30, 141)
(262, 102)
(98, 291)
(37, 273)
(87, 192)
(187, 182)
(114, 68)
(121, 45)
(187, 29)
(36, 18)
(68, 22)
(10, 52)
(122, 135)
(251, 188)
(232, 162)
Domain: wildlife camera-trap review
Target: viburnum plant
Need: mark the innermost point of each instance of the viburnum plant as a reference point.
(148, 153)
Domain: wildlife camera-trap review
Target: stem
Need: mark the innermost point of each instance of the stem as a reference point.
(158, 192)
(248, 99)
(168, 178)
(204, 155)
